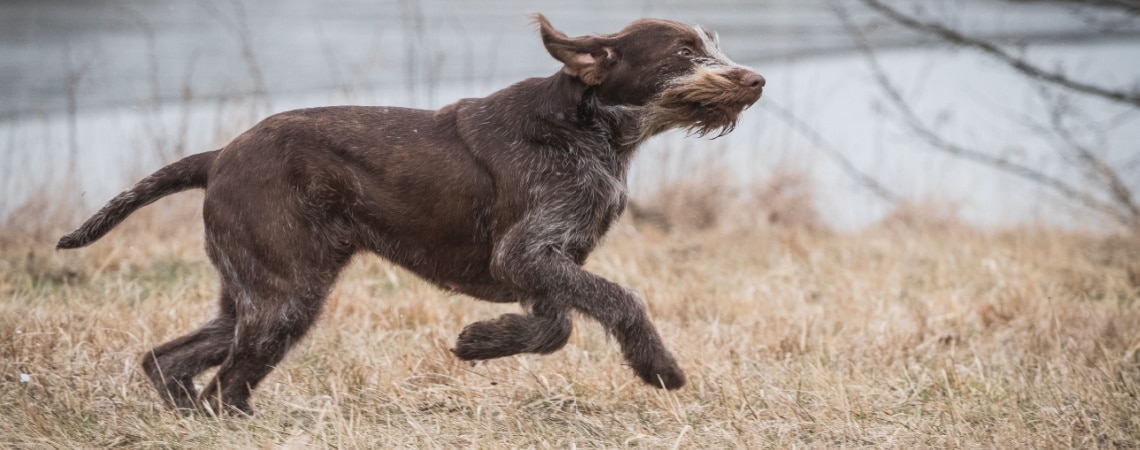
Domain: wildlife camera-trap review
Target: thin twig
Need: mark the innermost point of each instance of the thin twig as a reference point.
(155, 126)
(75, 76)
(819, 142)
(1128, 6)
(924, 132)
(1101, 172)
(1021, 65)
(239, 26)
(187, 95)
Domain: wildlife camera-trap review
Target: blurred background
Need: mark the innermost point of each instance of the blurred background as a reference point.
(989, 112)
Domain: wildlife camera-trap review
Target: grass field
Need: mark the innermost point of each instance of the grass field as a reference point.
(900, 335)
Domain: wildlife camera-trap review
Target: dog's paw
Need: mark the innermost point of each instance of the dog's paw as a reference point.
(484, 340)
(662, 373)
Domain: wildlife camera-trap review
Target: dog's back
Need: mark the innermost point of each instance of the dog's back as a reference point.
(396, 181)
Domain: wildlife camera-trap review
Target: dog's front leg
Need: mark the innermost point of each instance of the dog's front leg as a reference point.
(544, 330)
(553, 283)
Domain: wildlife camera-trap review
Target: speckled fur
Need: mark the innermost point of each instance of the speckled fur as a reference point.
(501, 198)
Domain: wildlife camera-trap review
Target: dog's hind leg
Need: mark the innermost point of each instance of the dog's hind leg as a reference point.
(278, 292)
(272, 314)
(544, 330)
(172, 366)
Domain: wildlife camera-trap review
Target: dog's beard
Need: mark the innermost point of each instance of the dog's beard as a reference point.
(706, 105)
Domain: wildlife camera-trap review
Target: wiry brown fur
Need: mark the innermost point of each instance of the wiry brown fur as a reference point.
(702, 106)
(501, 198)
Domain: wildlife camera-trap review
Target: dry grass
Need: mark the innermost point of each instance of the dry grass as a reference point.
(890, 337)
(716, 200)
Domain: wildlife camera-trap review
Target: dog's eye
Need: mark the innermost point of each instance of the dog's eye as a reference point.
(686, 52)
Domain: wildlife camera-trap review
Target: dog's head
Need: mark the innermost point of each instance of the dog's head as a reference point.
(676, 72)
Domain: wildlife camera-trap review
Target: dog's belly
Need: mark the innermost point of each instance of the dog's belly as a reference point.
(435, 253)
(430, 216)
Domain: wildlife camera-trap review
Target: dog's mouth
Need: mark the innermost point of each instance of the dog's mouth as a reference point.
(702, 109)
(733, 110)
(730, 110)
(729, 103)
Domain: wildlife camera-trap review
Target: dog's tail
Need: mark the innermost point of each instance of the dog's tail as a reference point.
(188, 173)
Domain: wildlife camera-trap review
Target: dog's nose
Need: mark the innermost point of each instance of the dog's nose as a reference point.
(753, 81)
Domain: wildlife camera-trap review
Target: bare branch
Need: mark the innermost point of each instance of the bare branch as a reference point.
(1094, 168)
(75, 76)
(956, 37)
(924, 132)
(1101, 172)
(831, 151)
(239, 26)
(1128, 6)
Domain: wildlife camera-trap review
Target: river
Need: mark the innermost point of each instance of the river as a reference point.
(111, 89)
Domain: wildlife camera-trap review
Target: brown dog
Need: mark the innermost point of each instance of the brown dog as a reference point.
(500, 198)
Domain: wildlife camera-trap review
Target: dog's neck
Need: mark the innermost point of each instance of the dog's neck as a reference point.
(572, 106)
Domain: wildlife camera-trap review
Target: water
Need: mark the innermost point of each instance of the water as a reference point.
(146, 80)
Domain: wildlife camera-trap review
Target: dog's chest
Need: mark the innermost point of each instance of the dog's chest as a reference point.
(603, 189)
(580, 200)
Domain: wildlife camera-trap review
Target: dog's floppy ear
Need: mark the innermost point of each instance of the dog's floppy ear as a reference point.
(586, 57)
